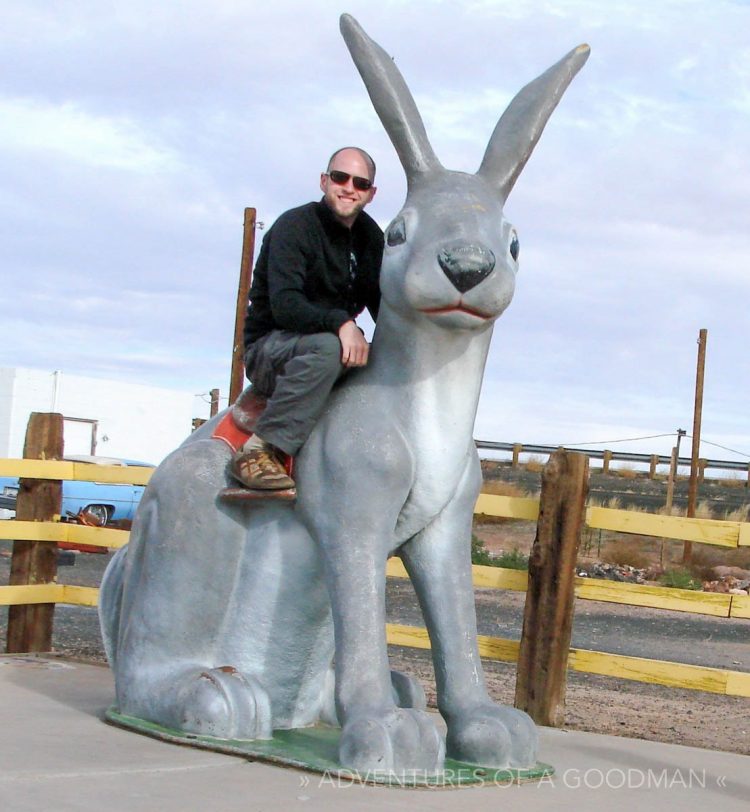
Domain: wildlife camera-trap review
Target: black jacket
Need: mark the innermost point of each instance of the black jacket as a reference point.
(302, 279)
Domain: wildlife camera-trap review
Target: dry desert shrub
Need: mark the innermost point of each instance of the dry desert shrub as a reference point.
(535, 464)
(613, 503)
(703, 510)
(626, 554)
(626, 471)
(739, 557)
(498, 488)
(705, 557)
(740, 514)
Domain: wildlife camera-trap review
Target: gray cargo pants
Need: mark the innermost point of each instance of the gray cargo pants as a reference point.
(295, 373)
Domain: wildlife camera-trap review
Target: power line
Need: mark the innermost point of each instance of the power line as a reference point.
(624, 440)
(206, 397)
(733, 450)
(655, 437)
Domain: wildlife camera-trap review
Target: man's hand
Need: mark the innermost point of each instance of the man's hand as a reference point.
(354, 346)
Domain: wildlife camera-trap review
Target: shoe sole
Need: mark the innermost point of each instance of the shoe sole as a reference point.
(251, 495)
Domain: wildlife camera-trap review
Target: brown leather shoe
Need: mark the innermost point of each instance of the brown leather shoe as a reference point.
(260, 469)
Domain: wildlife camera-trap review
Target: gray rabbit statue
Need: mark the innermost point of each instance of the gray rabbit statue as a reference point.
(224, 620)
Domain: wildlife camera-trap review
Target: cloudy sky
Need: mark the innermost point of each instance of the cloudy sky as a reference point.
(133, 135)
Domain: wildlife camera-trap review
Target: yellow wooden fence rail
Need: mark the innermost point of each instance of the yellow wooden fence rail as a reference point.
(64, 531)
(659, 672)
(597, 589)
(49, 593)
(78, 471)
(704, 531)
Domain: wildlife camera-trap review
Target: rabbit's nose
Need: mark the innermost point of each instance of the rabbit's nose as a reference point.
(466, 264)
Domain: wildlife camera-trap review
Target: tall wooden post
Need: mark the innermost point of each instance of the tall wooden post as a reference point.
(236, 383)
(687, 549)
(548, 614)
(35, 562)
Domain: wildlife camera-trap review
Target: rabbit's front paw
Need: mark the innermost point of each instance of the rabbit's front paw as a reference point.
(492, 735)
(396, 740)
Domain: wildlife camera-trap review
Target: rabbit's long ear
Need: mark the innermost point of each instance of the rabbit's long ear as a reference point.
(391, 99)
(521, 125)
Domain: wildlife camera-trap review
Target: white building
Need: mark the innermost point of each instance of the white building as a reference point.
(103, 417)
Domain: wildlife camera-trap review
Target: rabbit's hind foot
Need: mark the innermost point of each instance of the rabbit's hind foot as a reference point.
(224, 703)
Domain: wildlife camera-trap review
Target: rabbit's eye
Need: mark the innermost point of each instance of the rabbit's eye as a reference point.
(515, 247)
(397, 232)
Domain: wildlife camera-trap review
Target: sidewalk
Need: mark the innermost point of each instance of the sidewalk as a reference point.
(57, 754)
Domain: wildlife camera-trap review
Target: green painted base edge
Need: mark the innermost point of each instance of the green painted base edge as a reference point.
(315, 749)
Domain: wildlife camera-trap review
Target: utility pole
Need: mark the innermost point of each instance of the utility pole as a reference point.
(246, 268)
(687, 550)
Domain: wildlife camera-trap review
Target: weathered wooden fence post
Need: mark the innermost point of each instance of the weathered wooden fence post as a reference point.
(548, 615)
(702, 465)
(35, 562)
(516, 451)
(606, 460)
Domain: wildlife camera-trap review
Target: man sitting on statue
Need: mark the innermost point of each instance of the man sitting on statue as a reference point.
(317, 270)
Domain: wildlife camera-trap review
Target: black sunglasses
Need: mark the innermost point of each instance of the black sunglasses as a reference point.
(340, 178)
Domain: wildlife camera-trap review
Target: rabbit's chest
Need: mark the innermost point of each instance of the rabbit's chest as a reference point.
(434, 488)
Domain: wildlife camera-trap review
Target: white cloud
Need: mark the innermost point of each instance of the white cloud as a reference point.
(73, 134)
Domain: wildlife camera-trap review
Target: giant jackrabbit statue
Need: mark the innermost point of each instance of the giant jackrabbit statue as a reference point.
(223, 620)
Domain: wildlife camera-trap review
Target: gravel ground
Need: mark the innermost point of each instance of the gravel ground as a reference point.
(596, 704)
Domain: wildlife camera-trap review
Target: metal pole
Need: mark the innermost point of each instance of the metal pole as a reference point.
(673, 470)
(670, 481)
(670, 486)
(687, 551)
(237, 378)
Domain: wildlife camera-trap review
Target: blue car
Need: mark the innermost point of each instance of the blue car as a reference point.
(106, 501)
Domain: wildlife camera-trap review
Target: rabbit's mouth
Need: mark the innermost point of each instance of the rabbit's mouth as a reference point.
(459, 308)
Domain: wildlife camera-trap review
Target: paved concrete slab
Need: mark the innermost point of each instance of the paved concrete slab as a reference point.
(56, 753)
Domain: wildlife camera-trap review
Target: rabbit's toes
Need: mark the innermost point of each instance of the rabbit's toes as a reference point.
(493, 736)
(226, 704)
(407, 692)
(397, 740)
